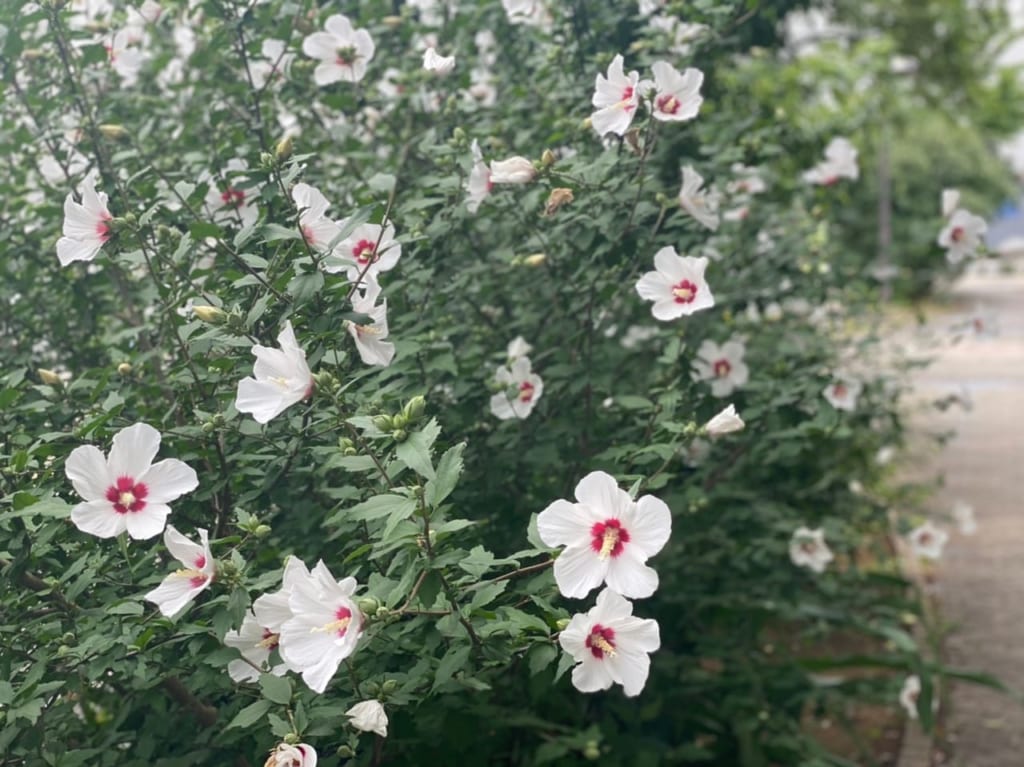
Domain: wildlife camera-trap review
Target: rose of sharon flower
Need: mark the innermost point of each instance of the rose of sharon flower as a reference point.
(616, 98)
(840, 162)
(950, 202)
(288, 755)
(369, 716)
(533, 13)
(522, 386)
(274, 65)
(370, 343)
(86, 225)
(842, 393)
(962, 236)
(127, 491)
(701, 204)
(927, 541)
(677, 285)
(318, 230)
(909, 694)
(807, 548)
(343, 51)
(726, 422)
(324, 627)
(676, 95)
(232, 200)
(436, 63)
(182, 586)
(610, 646)
(722, 365)
(282, 378)
(478, 184)
(514, 170)
(608, 538)
(517, 347)
(367, 251)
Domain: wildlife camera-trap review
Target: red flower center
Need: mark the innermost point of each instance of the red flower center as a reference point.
(365, 252)
(601, 642)
(668, 104)
(343, 617)
(233, 197)
(839, 390)
(103, 228)
(270, 639)
(127, 495)
(722, 368)
(684, 292)
(608, 538)
(526, 391)
(957, 234)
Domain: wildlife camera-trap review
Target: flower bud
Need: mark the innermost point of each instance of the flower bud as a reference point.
(124, 369)
(291, 738)
(389, 686)
(368, 605)
(726, 422)
(414, 408)
(400, 435)
(392, 22)
(261, 531)
(113, 131)
(383, 423)
(283, 149)
(547, 159)
(344, 751)
(535, 260)
(459, 135)
(562, 624)
(514, 170)
(48, 377)
(591, 751)
(210, 314)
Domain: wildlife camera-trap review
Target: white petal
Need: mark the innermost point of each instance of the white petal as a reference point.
(631, 670)
(184, 550)
(133, 451)
(69, 250)
(601, 494)
(173, 594)
(262, 399)
(652, 525)
(591, 675)
(86, 467)
(147, 523)
(98, 518)
(629, 576)
(169, 479)
(563, 523)
(578, 571)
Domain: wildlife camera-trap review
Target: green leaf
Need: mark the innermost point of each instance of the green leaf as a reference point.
(304, 286)
(540, 657)
(276, 232)
(448, 470)
(452, 661)
(251, 714)
(414, 452)
(276, 688)
(564, 664)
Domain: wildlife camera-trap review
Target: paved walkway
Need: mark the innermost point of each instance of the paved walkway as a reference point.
(980, 583)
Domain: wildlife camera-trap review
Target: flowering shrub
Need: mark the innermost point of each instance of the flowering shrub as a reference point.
(628, 303)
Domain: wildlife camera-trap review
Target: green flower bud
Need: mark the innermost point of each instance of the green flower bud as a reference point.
(210, 314)
(368, 605)
(112, 131)
(261, 531)
(414, 408)
(562, 624)
(383, 423)
(400, 435)
(345, 752)
(291, 739)
(591, 751)
(389, 686)
(124, 369)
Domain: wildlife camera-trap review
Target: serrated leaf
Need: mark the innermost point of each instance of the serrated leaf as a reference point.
(414, 452)
(276, 688)
(540, 657)
(448, 470)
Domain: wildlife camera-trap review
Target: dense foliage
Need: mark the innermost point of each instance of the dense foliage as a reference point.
(399, 474)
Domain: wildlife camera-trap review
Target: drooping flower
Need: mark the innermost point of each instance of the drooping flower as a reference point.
(369, 338)
(274, 64)
(676, 94)
(608, 538)
(514, 170)
(726, 422)
(324, 628)
(368, 250)
(722, 365)
(962, 236)
(342, 50)
(522, 389)
(616, 97)
(478, 185)
(610, 646)
(288, 755)
(927, 540)
(86, 224)
(699, 203)
(677, 285)
(181, 587)
(281, 378)
(318, 230)
(840, 162)
(127, 491)
(843, 392)
(807, 548)
(909, 694)
(369, 716)
(963, 515)
(436, 63)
